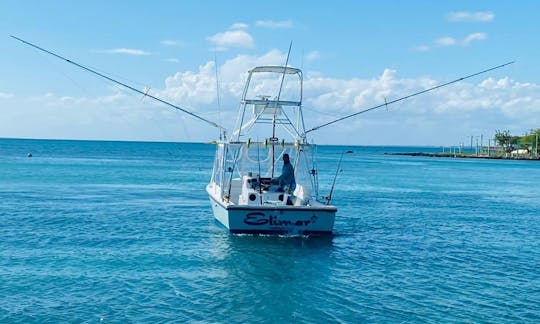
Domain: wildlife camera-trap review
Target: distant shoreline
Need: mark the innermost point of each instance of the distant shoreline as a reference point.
(462, 156)
(426, 146)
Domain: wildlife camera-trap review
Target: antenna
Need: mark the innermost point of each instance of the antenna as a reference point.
(144, 93)
(385, 104)
(284, 72)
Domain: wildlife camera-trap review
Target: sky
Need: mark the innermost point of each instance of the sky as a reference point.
(354, 55)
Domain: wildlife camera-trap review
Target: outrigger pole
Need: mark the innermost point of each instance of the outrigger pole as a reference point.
(276, 108)
(385, 104)
(145, 93)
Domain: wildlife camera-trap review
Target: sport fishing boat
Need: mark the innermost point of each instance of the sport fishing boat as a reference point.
(246, 193)
(243, 190)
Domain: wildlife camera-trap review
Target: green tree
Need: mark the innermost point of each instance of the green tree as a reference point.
(503, 137)
(515, 140)
(530, 140)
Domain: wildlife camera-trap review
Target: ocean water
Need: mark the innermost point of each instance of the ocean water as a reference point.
(123, 232)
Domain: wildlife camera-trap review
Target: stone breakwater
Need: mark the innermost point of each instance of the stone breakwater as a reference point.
(462, 155)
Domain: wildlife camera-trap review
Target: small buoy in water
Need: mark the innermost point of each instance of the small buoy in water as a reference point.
(29, 155)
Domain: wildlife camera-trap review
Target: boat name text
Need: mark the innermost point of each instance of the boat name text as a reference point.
(258, 218)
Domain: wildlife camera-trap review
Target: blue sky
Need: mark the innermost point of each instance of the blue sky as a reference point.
(354, 54)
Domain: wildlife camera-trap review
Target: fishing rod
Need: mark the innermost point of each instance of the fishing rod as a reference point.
(144, 93)
(221, 136)
(259, 175)
(329, 197)
(386, 103)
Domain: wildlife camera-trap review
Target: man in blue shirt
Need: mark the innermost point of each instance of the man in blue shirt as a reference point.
(286, 179)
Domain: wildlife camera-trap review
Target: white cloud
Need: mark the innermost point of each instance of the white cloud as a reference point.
(450, 112)
(473, 38)
(238, 38)
(517, 102)
(235, 70)
(192, 88)
(446, 41)
(351, 95)
(172, 42)
(285, 24)
(435, 118)
(239, 26)
(197, 89)
(480, 16)
(169, 42)
(4, 95)
(128, 51)
(451, 41)
(116, 116)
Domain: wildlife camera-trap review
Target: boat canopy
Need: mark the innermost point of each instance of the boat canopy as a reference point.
(276, 69)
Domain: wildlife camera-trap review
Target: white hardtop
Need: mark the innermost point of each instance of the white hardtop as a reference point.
(276, 69)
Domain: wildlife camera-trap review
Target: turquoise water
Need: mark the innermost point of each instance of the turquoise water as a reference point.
(123, 232)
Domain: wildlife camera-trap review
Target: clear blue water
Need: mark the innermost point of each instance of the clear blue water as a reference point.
(123, 232)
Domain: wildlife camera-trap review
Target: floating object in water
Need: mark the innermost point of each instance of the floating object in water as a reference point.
(29, 155)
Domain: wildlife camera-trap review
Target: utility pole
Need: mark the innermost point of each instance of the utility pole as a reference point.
(481, 142)
(489, 147)
(537, 145)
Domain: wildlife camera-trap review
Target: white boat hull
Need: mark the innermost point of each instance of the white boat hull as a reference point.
(274, 220)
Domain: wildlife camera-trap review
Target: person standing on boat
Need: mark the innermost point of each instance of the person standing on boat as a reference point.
(286, 179)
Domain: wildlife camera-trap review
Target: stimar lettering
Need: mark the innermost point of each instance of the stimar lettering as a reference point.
(258, 218)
